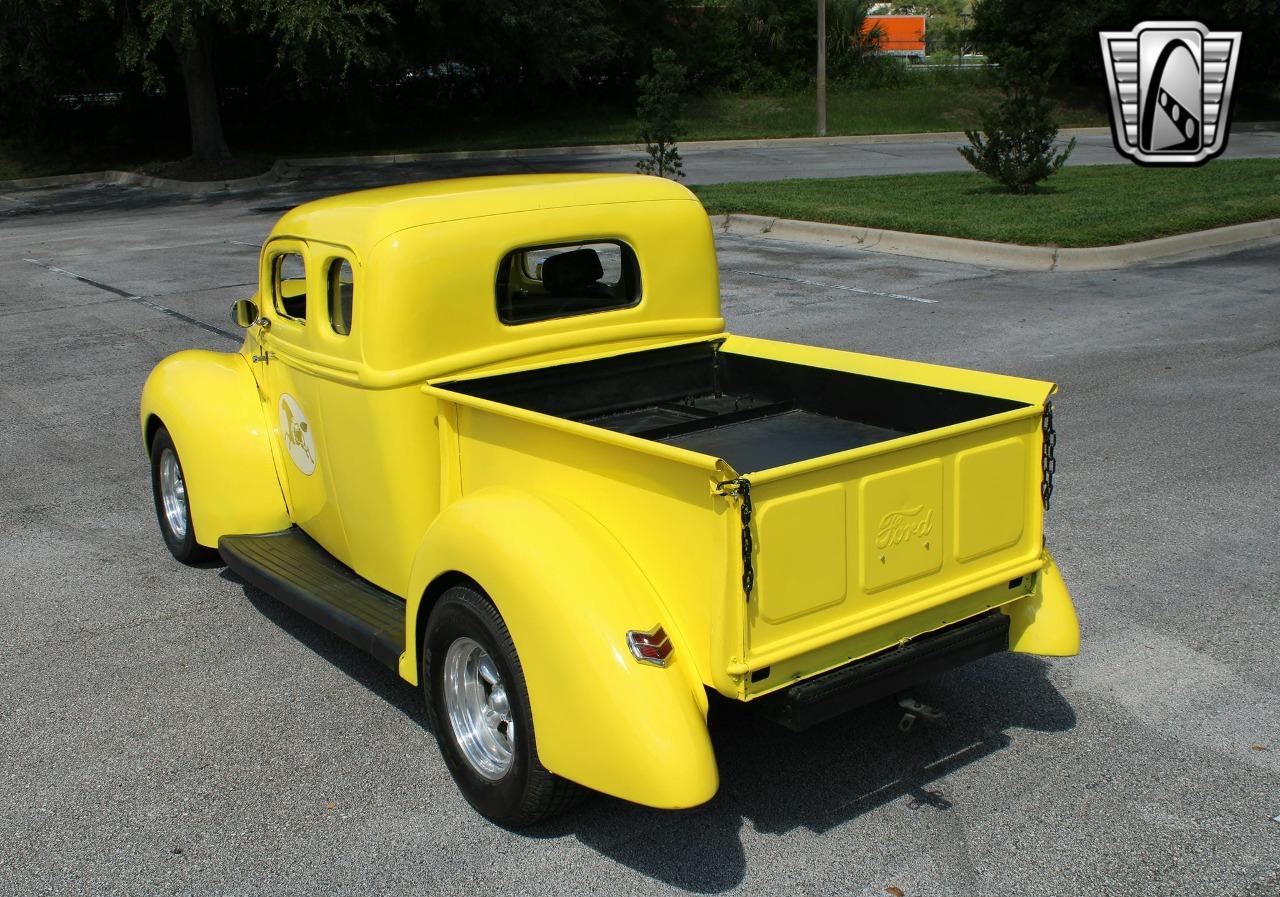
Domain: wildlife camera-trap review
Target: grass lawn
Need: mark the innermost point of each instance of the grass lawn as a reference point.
(950, 103)
(1095, 205)
(946, 102)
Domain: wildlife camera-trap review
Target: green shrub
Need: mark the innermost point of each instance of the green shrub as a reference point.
(659, 107)
(1016, 144)
(879, 72)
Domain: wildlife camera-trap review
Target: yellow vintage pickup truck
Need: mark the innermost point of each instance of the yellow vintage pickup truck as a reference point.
(493, 432)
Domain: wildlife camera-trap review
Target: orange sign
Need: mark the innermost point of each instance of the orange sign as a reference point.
(898, 34)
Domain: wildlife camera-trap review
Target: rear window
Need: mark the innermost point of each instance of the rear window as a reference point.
(537, 283)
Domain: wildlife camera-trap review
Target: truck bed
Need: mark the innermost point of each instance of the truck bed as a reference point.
(755, 413)
(889, 498)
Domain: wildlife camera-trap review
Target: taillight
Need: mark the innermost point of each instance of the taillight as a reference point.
(650, 647)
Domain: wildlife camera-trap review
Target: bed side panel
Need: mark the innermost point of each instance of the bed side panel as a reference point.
(663, 513)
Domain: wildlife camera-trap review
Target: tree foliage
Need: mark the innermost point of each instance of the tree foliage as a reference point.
(1061, 38)
(771, 44)
(342, 31)
(144, 77)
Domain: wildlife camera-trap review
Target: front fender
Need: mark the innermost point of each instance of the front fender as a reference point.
(209, 403)
(568, 593)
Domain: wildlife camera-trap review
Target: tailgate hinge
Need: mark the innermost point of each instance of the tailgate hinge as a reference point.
(741, 490)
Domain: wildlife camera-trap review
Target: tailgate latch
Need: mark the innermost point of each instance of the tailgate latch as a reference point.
(741, 490)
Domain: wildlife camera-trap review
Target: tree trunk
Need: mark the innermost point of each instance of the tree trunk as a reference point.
(195, 56)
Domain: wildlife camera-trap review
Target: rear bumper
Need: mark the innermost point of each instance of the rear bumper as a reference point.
(835, 692)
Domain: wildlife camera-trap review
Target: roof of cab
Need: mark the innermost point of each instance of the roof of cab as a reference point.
(362, 219)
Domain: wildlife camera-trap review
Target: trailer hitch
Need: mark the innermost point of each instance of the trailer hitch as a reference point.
(916, 710)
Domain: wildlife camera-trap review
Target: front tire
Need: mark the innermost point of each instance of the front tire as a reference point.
(173, 508)
(478, 706)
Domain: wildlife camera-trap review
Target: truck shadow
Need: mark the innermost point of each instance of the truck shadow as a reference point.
(777, 780)
(771, 778)
(355, 663)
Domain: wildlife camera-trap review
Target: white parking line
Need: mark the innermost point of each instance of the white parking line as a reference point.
(835, 286)
(133, 297)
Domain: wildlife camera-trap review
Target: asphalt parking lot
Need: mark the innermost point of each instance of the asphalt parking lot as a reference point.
(170, 730)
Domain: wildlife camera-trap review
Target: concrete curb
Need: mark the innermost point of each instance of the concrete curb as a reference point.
(56, 180)
(689, 145)
(280, 170)
(1006, 256)
(283, 169)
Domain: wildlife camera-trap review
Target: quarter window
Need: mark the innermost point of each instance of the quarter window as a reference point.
(289, 273)
(341, 296)
(538, 283)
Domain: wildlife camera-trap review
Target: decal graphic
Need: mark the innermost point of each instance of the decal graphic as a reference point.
(296, 433)
(1170, 86)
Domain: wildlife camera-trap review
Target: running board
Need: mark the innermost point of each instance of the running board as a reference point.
(292, 568)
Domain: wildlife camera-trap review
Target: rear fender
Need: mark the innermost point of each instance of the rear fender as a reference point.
(568, 593)
(210, 404)
(1045, 621)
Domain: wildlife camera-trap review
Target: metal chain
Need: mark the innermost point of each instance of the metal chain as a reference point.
(741, 488)
(1048, 463)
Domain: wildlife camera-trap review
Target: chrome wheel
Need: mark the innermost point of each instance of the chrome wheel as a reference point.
(173, 494)
(479, 713)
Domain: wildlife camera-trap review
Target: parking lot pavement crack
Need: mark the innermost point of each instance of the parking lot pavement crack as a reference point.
(140, 300)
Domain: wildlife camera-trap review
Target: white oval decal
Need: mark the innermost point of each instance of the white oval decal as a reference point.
(296, 433)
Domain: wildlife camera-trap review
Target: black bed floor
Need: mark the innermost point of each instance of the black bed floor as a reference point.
(764, 442)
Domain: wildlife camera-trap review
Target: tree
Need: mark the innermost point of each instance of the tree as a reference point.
(341, 31)
(659, 108)
(1015, 145)
(47, 51)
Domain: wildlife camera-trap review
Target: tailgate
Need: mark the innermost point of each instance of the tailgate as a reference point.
(858, 551)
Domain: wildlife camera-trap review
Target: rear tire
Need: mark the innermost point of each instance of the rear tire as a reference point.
(478, 706)
(173, 509)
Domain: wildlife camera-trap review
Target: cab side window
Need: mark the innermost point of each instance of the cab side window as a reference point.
(341, 296)
(289, 278)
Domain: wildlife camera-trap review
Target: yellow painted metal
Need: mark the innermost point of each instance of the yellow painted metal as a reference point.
(1045, 621)
(293, 397)
(1017, 389)
(784, 669)
(909, 528)
(656, 500)
(430, 254)
(210, 405)
(569, 591)
(579, 533)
